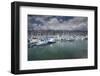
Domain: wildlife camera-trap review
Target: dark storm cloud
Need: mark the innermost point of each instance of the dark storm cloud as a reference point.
(39, 22)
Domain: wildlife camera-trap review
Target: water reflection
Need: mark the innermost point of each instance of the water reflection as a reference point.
(59, 50)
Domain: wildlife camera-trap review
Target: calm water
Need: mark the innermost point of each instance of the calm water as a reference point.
(59, 50)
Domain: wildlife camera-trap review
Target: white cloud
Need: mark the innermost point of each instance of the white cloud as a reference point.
(76, 23)
(53, 21)
(79, 23)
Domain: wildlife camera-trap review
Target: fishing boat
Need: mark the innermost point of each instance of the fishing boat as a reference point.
(42, 42)
(32, 42)
(46, 41)
(51, 40)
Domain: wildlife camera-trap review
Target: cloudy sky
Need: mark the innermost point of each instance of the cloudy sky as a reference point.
(45, 22)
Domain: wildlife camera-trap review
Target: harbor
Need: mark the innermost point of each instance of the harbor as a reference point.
(52, 37)
(41, 38)
(69, 45)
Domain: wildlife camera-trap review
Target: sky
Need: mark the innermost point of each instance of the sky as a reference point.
(49, 22)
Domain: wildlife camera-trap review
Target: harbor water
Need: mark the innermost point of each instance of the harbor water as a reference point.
(60, 50)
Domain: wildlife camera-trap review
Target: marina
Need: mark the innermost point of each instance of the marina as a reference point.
(45, 39)
(70, 45)
(57, 37)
